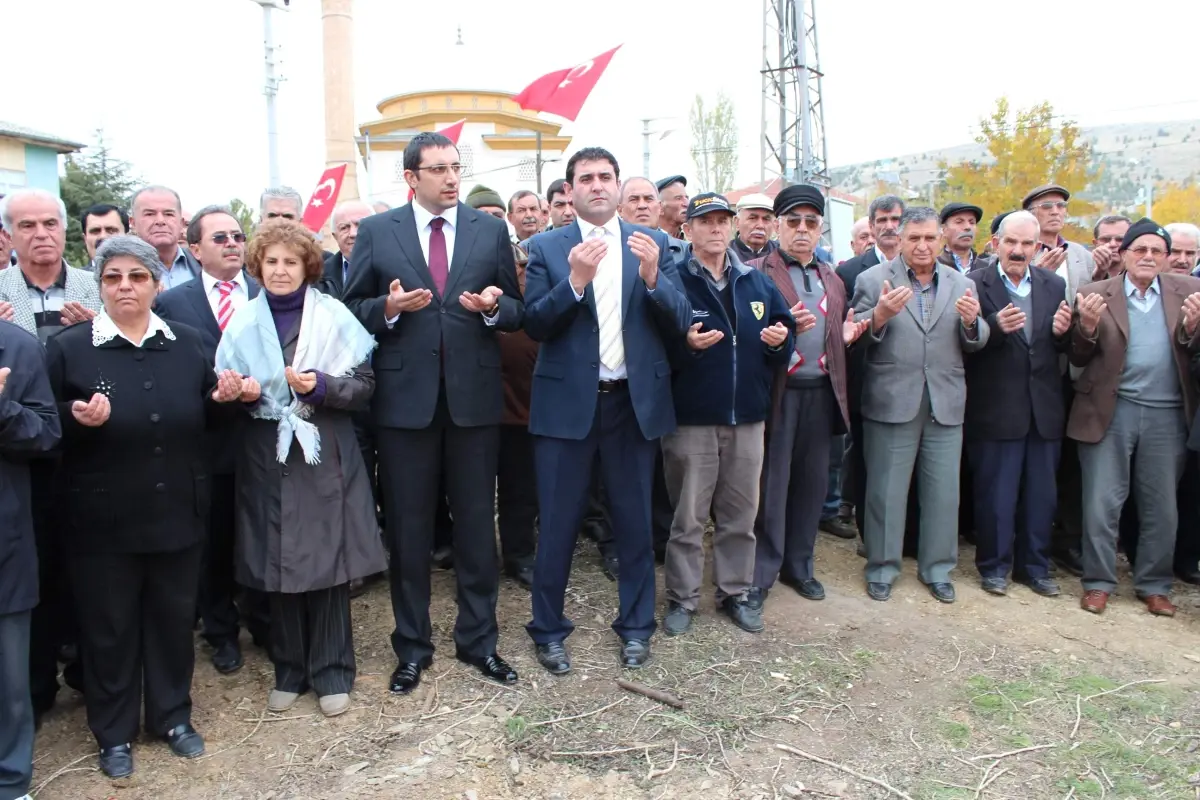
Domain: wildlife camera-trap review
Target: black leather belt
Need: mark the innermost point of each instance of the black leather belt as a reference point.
(612, 386)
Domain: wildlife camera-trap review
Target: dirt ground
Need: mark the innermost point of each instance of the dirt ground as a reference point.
(1018, 697)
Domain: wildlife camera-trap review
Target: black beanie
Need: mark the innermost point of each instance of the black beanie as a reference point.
(1142, 227)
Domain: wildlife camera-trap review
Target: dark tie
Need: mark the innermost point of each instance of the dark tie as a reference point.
(439, 267)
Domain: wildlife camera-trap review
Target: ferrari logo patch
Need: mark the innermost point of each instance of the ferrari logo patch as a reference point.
(758, 308)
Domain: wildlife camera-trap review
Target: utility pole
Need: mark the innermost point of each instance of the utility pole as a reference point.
(271, 90)
(646, 134)
(793, 126)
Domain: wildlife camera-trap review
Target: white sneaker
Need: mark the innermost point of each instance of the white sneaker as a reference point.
(334, 704)
(279, 701)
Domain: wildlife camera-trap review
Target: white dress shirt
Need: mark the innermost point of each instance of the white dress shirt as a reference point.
(1021, 289)
(238, 297)
(610, 270)
(1146, 301)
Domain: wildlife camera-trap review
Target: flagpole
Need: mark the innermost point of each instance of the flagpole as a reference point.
(367, 165)
(537, 163)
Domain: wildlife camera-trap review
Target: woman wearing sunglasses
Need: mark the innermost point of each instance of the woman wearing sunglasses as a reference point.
(134, 395)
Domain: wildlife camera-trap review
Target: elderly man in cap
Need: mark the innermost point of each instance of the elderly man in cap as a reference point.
(809, 398)
(755, 224)
(1134, 336)
(1069, 260)
(673, 200)
(923, 318)
(481, 198)
(1015, 415)
(959, 224)
(742, 327)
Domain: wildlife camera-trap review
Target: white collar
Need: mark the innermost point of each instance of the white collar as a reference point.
(104, 330)
(1026, 277)
(210, 281)
(612, 226)
(1130, 289)
(424, 216)
(878, 254)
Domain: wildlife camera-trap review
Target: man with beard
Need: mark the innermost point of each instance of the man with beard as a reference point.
(755, 224)
(673, 197)
(959, 224)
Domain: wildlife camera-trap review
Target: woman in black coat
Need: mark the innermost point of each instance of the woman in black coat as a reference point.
(133, 395)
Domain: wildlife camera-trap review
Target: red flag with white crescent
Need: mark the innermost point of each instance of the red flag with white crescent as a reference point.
(451, 132)
(320, 205)
(563, 92)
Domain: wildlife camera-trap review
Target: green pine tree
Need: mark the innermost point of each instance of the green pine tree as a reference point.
(93, 176)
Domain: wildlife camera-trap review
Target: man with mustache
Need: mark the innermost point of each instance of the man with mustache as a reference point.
(755, 224)
(1185, 245)
(524, 214)
(1015, 415)
(562, 207)
(672, 194)
(959, 224)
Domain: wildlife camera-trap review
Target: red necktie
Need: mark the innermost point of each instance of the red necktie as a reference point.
(439, 267)
(225, 303)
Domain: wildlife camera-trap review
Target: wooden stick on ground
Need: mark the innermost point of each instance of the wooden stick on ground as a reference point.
(653, 694)
(787, 748)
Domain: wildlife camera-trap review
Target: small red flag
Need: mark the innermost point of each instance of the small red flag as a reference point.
(320, 205)
(451, 132)
(564, 92)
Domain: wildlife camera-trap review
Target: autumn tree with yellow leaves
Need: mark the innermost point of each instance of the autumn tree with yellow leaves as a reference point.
(1025, 148)
(1175, 202)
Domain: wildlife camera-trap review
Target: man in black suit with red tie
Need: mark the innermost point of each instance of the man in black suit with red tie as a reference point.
(435, 282)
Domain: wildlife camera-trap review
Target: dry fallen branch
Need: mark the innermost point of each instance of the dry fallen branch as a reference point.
(999, 756)
(653, 694)
(1078, 718)
(557, 720)
(262, 718)
(616, 751)
(1123, 686)
(63, 771)
(655, 773)
(842, 767)
(957, 661)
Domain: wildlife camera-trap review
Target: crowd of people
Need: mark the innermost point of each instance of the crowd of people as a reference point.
(201, 428)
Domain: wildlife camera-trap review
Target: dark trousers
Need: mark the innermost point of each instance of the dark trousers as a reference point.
(858, 461)
(16, 708)
(312, 643)
(1187, 538)
(135, 624)
(597, 525)
(1068, 534)
(564, 471)
(219, 592)
(443, 525)
(411, 464)
(516, 497)
(52, 623)
(795, 481)
(662, 510)
(364, 432)
(1007, 472)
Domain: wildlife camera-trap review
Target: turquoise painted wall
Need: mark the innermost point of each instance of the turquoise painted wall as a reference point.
(41, 168)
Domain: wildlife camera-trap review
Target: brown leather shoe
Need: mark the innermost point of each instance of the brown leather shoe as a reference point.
(1159, 605)
(1095, 601)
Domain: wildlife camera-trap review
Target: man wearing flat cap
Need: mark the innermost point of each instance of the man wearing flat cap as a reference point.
(810, 403)
(755, 226)
(741, 327)
(1134, 336)
(1069, 260)
(959, 224)
(673, 200)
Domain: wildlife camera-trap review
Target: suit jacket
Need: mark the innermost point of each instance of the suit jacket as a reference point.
(81, 288)
(1079, 269)
(139, 483)
(1103, 357)
(331, 277)
(187, 303)
(775, 267)
(567, 374)
(443, 343)
(1014, 384)
(849, 271)
(29, 425)
(905, 357)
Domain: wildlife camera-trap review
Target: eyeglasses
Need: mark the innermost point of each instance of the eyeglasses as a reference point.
(1050, 205)
(1109, 239)
(1142, 251)
(222, 237)
(137, 278)
(440, 169)
(278, 214)
(810, 221)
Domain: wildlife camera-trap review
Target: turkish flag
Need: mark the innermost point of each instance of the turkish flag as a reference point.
(564, 92)
(320, 205)
(451, 132)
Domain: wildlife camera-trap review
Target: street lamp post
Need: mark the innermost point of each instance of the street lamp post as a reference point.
(271, 90)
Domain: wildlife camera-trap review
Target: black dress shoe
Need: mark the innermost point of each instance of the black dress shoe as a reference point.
(407, 676)
(357, 587)
(839, 527)
(942, 592)
(997, 586)
(1191, 576)
(635, 653)
(184, 741)
(809, 588)
(611, 566)
(553, 658)
(879, 591)
(493, 667)
(1043, 586)
(227, 658)
(744, 615)
(117, 762)
(522, 574)
(756, 597)
(1070, 559)
(443, 558)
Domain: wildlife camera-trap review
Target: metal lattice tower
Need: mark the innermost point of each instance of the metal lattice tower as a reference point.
(793, 122)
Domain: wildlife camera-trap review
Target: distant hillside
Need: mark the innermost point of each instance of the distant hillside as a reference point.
(1130, 153)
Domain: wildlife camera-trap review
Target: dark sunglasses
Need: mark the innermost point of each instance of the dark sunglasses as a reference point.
(137, 278)
(222, 237)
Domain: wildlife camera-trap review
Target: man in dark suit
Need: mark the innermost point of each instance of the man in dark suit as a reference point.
(29, 424)
(884, 218)
(602, 298)
(1015, 415)
(435, 282)
(216, 240)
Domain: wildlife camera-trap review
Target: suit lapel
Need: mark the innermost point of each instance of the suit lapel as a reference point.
(1173, 299)
(464, 239)
(629, 269)
(1045, 303)
(993, 288)
(941, 298)
(900, 278)
(252, 287)
(1114, 297)
(568, 237)
(194, 289)
(405, 228)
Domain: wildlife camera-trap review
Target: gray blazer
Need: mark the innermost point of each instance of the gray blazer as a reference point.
(81, 288)
(905, 357)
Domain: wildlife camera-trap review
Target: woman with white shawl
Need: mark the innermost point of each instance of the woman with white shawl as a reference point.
(306, 521)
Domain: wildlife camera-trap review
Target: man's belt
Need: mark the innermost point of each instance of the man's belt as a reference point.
(612, 386)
